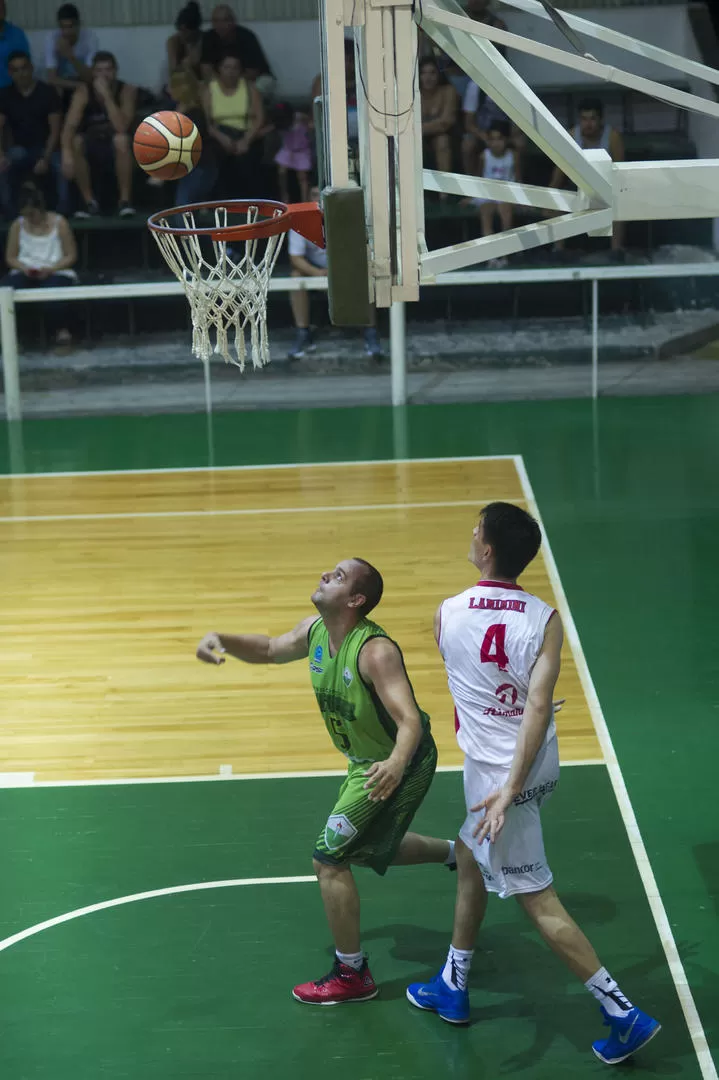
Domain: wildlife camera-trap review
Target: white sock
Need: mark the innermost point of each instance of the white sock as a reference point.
(603, 987)
(354, 959)
(451, 858)
(456, 968)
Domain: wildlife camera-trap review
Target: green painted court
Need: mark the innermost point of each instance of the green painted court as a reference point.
(196, 983)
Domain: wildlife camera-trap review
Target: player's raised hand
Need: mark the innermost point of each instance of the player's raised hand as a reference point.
(210, 649)
(383, 777)
(495, 806)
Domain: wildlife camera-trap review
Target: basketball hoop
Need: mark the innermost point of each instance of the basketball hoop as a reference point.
(225, 268)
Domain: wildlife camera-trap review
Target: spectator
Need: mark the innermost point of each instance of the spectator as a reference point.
(30, 111)
(235, 118)
(352, 115)
(480, 11)
(592, 133)
(184, 47)
(439, 114)
(295, 154)
(226, 38)
(480, 113)
(69, 51)
(198, 185)
(12, 40)
(40, 251)
(96, 134)
(497, 162)
(309, 260)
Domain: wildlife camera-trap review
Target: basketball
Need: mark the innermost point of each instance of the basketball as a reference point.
(167, 145)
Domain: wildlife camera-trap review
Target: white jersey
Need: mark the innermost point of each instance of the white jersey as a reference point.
(490, 636)
(498, 168)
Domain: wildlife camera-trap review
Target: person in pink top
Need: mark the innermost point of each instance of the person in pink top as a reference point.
(295, 154)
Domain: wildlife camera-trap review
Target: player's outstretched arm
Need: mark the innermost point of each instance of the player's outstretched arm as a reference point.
(382, 668)
(532, 731)
(257, 648)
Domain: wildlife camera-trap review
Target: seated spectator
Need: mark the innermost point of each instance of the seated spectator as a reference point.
(592, 133)
(12, 40)
(309, 260)
(295, 153)
(30, 112)
(497, 162)
(69, 52)
(235, 119)
(439, 114)
(226, 38)
(40, 251)
(480, 113)
(184, 47)
(352, 116)
(96, 134)
(198, 185)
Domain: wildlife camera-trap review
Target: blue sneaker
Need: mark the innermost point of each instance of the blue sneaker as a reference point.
(451, 1005)
(628, 1034)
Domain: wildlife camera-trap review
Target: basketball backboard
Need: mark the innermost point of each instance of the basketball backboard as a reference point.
(384, 37)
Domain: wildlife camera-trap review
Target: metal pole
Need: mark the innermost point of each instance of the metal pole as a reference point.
(595, 338)
(8, 341)
(208, 412)
(398, 352)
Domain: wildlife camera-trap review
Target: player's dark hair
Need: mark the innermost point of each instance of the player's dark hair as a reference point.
(501, 127)
(591, 105)
(18, 54)
(104, 57)
(68, 12)
(514, 536)
(189, 17)
(370, 584)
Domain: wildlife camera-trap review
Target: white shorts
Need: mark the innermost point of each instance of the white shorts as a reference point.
(516, 862)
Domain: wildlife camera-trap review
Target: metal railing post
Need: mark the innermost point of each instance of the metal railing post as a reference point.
(8, 342)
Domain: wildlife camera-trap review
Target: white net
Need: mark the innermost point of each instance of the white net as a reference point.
(226, 284)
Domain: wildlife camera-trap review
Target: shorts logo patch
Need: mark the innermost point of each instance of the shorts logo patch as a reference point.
(339, 830)
(347, 676)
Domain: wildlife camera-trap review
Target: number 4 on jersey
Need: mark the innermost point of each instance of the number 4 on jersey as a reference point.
(493, 649)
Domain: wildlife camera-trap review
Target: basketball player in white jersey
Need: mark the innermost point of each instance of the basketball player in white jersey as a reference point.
(501, 647)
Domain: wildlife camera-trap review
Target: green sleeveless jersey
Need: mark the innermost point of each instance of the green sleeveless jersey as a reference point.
(357, 721)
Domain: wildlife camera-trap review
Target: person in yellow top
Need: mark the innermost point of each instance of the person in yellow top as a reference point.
(235, 119)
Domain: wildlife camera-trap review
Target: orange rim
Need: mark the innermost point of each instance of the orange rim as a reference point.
(305, 218)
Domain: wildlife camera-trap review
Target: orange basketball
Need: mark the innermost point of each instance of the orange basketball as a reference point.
(167, 145)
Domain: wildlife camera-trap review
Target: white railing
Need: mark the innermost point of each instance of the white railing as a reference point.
(9, 298)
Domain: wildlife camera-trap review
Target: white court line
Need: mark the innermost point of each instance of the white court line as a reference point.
(7, 781)
(250, 512)
(118, 901)
(255, 468)
(656, 904)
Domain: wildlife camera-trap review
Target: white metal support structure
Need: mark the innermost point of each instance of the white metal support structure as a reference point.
(390, 137)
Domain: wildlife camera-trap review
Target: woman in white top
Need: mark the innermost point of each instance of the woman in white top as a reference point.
(40, 250)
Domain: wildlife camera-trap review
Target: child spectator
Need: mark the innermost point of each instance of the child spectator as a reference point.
(295, 154)
(40, 252)
(497, 162)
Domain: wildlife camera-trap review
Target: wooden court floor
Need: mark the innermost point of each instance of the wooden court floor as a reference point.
(110, 579)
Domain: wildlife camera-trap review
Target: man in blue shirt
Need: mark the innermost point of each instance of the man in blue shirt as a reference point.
(12, 39)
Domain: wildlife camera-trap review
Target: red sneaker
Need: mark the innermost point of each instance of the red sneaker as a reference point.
(342, 984)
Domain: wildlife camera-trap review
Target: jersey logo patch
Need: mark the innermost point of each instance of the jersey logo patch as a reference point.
(316, 661)
(339, 830)
(347, 676)
(506, 693)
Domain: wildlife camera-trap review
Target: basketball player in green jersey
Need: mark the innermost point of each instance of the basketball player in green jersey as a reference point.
(368, 705)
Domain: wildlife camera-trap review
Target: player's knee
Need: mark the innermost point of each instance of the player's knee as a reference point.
(535, 903)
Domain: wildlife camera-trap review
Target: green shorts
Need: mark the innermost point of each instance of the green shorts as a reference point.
(369, 833)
